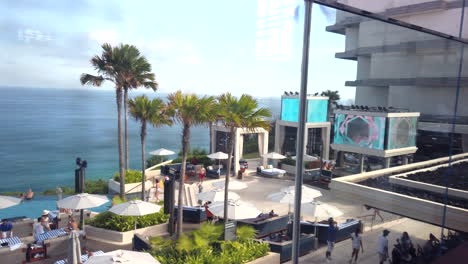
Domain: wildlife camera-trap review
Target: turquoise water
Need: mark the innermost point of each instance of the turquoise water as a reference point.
(33, 209)
(43, 131)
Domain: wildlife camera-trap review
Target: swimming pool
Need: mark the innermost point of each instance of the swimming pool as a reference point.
(33, 209)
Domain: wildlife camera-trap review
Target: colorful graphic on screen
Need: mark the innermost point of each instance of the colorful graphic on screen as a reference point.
(317, 110)
(360, 131)
(402, 132)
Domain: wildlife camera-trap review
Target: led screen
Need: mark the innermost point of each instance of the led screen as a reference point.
(359, 130)
(402, 132)
(317, 110)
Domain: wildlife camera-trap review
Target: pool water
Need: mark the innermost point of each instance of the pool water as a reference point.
(33, 209)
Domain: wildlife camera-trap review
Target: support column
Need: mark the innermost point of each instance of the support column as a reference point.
(340, 159)
(265, 146)
(213, 139)
(387, 163)
(236, 152)
(306, 139)
(405, 160)
(326, 142)
(361, 163)
(277, 138)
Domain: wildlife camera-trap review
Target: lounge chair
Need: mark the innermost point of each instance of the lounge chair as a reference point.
(84, 257)
(271, 172)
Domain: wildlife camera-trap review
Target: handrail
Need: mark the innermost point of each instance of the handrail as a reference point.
(149, 169)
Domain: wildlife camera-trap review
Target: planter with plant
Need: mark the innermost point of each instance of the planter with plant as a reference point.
(206, 245)
(120, 229)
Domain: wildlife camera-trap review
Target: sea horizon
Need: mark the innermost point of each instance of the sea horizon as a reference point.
(45, 129)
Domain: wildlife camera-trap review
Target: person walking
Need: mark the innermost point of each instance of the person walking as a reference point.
(332, 230)
(382, 246)
(356, 243)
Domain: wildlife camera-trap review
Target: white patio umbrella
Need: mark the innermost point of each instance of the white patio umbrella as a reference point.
(287, 196)
(74, 249)
(8, 201)
(82, 201)
(306, 191)
(274, 155)
(236, 210)
(162, 152)
(217, 195)
(135, 208)
(123, 256)
(219, 156)
(233, 185)
(318, 209)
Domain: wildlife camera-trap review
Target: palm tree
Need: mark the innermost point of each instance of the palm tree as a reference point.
(152, 112)
(333, 98)
(140, 76)
(125, 67)
(239, 113)
(189, 110)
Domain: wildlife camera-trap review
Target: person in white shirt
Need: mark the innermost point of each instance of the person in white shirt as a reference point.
(41, 226)
(382, 247)
(356, 243)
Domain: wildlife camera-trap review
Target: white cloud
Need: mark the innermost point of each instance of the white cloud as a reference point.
(104, 36)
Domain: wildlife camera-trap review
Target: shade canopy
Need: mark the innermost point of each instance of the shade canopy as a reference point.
(82, 201)
(8, 201)
(233, 185)
(217, 195)
(162, 152)
(122, 257)
(306, 191)
(320, 210)
(307, 158)
(135, 208)
(236, 210)
(288, 197)
(274, 155)
(218, 155)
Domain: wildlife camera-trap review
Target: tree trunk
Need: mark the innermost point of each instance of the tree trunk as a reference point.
(143, 167)
(210, 127)
(119, 139)
(185, 148)
(127, 163)
(226, 186)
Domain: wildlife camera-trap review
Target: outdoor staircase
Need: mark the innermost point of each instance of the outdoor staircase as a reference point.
(190, 195)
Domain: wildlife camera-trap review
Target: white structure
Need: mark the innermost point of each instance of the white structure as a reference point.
(405, 68)
(239, 142)
(317, 126)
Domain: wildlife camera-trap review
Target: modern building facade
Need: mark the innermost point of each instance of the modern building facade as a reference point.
(404, 68)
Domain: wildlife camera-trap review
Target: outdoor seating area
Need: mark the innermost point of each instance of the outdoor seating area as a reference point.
(269, 171)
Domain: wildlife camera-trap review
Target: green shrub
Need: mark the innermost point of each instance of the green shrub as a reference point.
(195, 151)
(155, 160)
(131, 176)
(201, 159)
(91, 186)
(96, 186)
(288, 161)
(111, 221)
(205, 246)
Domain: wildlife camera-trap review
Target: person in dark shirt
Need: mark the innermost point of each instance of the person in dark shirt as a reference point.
(6, 229)
(332, 230)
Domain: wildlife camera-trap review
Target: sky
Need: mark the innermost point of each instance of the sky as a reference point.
(205, 46)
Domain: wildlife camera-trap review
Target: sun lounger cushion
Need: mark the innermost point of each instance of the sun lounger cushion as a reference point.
(84, 257)
(12, 242)
(273, 171)
(269, 167)
(50, 234)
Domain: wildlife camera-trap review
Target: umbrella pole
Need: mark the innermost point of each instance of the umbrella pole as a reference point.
(135, 223)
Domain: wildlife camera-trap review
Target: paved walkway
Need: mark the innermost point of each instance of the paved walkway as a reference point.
(418, 231)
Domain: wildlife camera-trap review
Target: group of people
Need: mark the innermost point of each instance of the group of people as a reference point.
(405, 244)
(28, 196)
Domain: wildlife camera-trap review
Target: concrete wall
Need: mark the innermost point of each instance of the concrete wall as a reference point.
(114, 187)
(271, 258)
(124, 237)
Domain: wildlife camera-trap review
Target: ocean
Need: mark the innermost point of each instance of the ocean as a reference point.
(43, 131)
